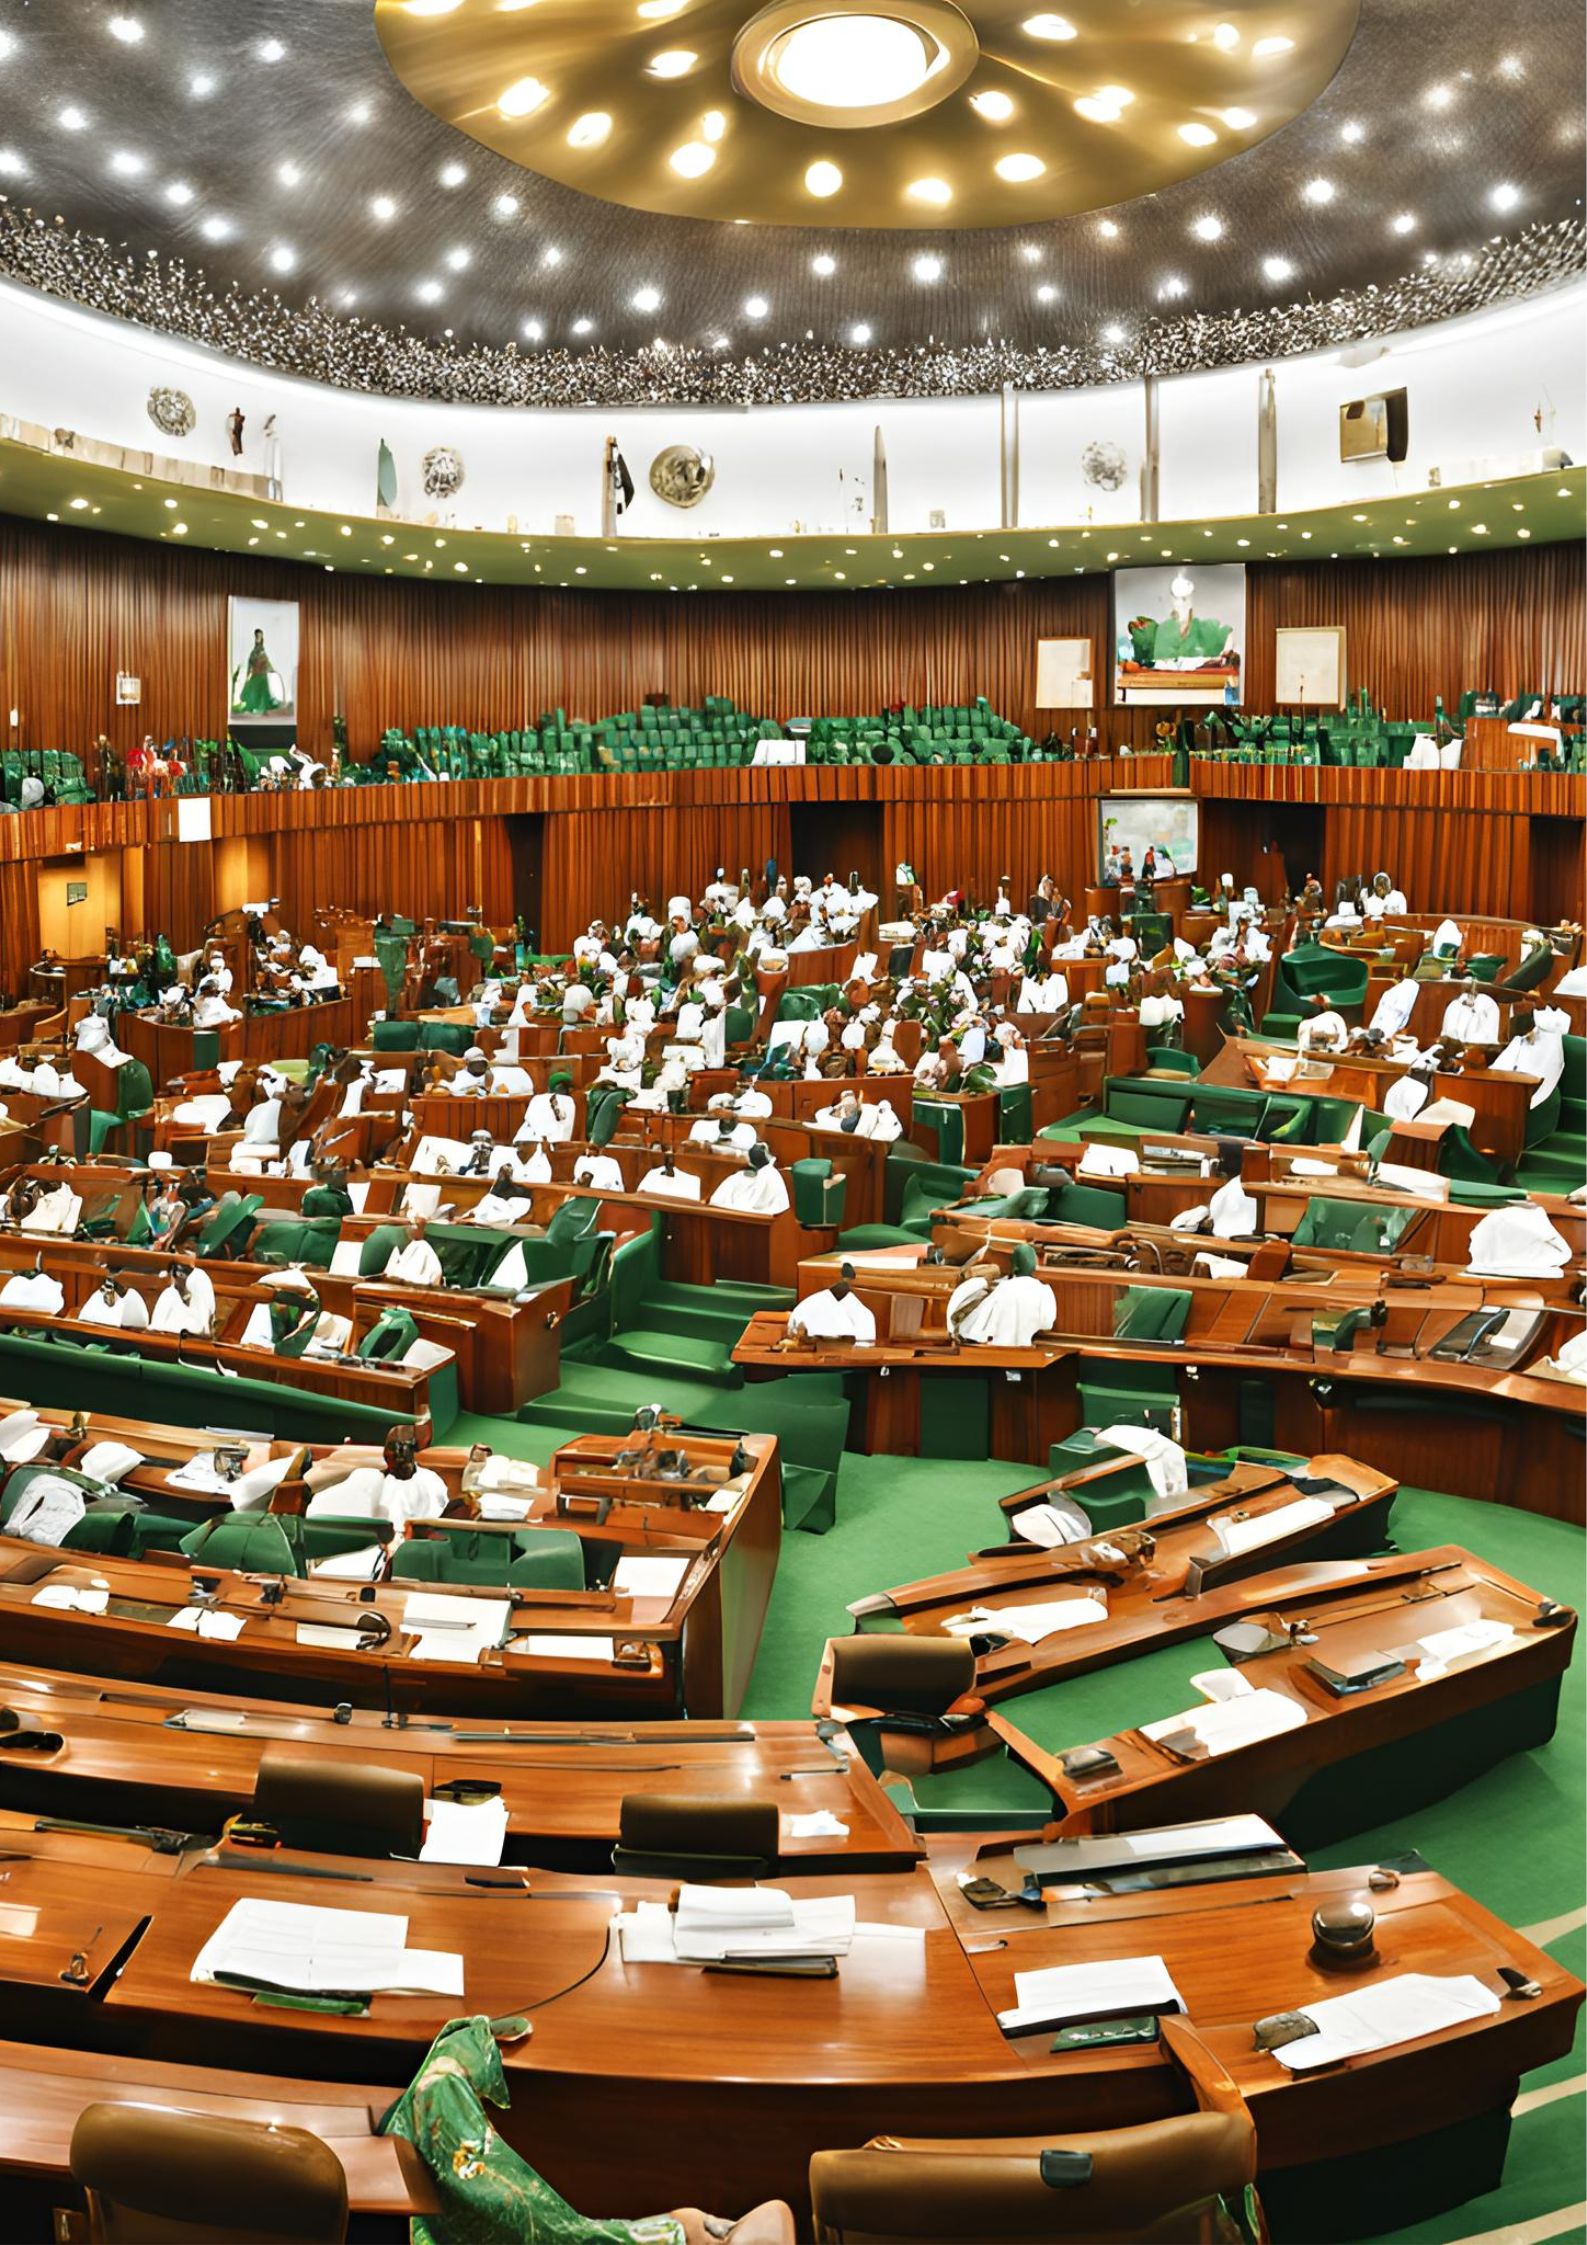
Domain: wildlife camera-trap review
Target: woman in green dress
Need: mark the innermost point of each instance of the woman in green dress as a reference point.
(256, 697)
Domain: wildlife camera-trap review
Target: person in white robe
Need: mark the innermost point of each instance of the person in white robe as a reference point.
(759, 1189)
(883, 1059)
(1516, 1241)
(473, 1079)
(992, 1312)
(371, 1492)
(1011, 1061)
(94, 1038)
(1538, 1051)
(1392, 1013)
(602, 1173)
(210, 1009)
(550, 1114)
(836, 1313)
(415, 1262)
(1404, 1100)
(56, 1212)
(262, 1123)
(1324, 1031)
(115, 1305)
(667, 1182)
(1042, 993)
(1471, 1019)
(625, 1062)
(186, 1303)
(33, 1290)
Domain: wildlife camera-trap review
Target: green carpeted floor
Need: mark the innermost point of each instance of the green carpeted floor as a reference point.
(1514, 1838)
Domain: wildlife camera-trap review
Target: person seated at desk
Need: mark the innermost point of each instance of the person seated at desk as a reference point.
(759, 1189)
(116, 1305)
(1472, 1018)
(94, 1038)
(34, 1290)
(472, 1079)
(1042, 993)
(1010, 1062)
(883, 1058)
(328, 1195)
(860, 1119)
(550, 1113)
(1392, 1013)
(1404, 1100)
(55, 1210)
(186, 1303)
(835, 1314)
(666, 1181)
(722, 1133)
(385, 1484)
(415, 1262)
(261, 1130)
(291, 1318)
(1382, 898)
(210, 1010)
(1538, 1051)
(625, 1062)
(602, 1173)
(1323, 1030)
(1516, 1241)
(507, 1202)
(1005, 1313)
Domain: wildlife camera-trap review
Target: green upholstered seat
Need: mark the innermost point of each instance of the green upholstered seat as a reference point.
(945, 1120)
(1345, 1224)
(394, 1036)
(379, 1247)
(1170, 1057)
(818, 1195)
(1075, 1203)
(444, 1036)
(1148, 1106)
(256, 1543)
(1015, 1115)
(309, 1240)
(1151, 1313)
(230, 1224)
(542, 1558)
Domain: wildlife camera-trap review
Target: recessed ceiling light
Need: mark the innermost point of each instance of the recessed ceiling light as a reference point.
(658, 11)
(647, 299)
(72, 119)
(859, 333)
(1113, 333)
(582, 327)
(1405, 223)
(713, 125)
(1018, 169)
(935, 191)
(283, 257)
(179, 529)
(1106, 106)
(927, 268)
(672, 62)
(825, 265)
(202, 84)
(1439, 97)
(270, 50)
(1197, 136)
(347, 298)
(79, 504)
(592, 130)
(1278, 268)
(1352, 133)
(1046, 293)
(288, 174)
(1208, 227)
(1239, 120)
(1174, 286)
(1523, 533)
(1276, 45)
(755, 307)
(452, 175)
(8, 45)
(1225, 35)
(358, 112)
(11, 164)
(533, 330)
(125, 28)
(1108, 229)
(128, 165)
(216, 229)
(1504, 197)
(504, 206)
(1049, 27)
(382, 207)
(1319, 190)
(522, 97)
(823, 179)
(459, 259)
(551, 255)
(693, 160)
(995, 107)
(179, 193)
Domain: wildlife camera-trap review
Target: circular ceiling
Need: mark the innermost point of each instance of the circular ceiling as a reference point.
(261, 180)
(869, 113)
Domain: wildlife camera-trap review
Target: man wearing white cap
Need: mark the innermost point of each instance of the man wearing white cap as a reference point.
(1472, 1018)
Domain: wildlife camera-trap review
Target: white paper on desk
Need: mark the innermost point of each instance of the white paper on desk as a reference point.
(1234, 1723)
(714, 1922)
(1381, 2017)
(301, 1945)
(644, 1934)
(327, 1637)
(208, 1621)
(108, 1461)
(1237, 1536)
(1045, 1525)
(649, 1578)
(1445, 1647)
(1407, 1180)
(504, 1507)
(361, 1565)
(1030, 1625)
(70, 1599)
(455, 1629)
(501, 1474)
(1060, 1992)
(1220, 1684)
(725, 1499)
(1305, 1165)
(22, 1437)
(345, 1257)
(820, 1824)
(565, 1645)
(465, 1832)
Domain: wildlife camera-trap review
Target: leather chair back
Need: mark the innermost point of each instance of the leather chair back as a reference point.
(902, 1675)
(174, 2178)
(677, 1836)
(330, 1807)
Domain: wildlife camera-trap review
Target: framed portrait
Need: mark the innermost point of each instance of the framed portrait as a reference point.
(262, 664)
(1179, 635)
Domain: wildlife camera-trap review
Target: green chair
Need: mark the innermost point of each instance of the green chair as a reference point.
(1341, 1224)
(1151, 1313)
(394, 1036)
(379, 1247)
(1074, 1203)
(255, 1543)
(309, 1240)
(528, 1558)
(818, 1195)
(230, 1225)
(945, 1120)
(1015, 1115)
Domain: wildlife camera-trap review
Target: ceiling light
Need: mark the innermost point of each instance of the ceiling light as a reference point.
(859, 333)
(1276, 45)
(1208, 227)
(672, 62)
(1102, 108)
(11, 164)
(533, 330)
(283, 257)
(1320, 190)
(79, 504)
(823, 179)
(452, 175)
(522, 97)
(179, 193)
(382, 207)
(1405, 223)
(929, 191)
(1174, 286)
(1523, 533)
(824, 265)
(358, 113)
(713, 125)
(1225, 35)
(270, 50)
(582, 327)
(1197, 136)
(591, 130)
(1505, 197)
(72, 119)
(347, 298)
(693, 160)
(927, 268)
(1438, 97)
(202, 84)
(1046, 293)
(127, 164)
(216, 229)
(1049, 27)
(551, 255)
(1239, 120)
(647, 299)
(996, 108)
(852, 61)
(1113, 333)
(658, 11)
(7, 45)
(459, 259)
(179, 529)
(1031, 252)
(288, 174)
(125, 28)
(756, 307)
(1108, 229)
(1017, 169)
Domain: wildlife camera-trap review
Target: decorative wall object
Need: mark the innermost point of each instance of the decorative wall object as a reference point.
(172, 411)
(262, 666)
(1309, 666)
(443, 472)
(682, 475)
(1103, 466)
(1179, 635)
(1168, 824)
(128, 689)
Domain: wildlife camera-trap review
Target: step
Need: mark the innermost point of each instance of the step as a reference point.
(722, 1324)
(725, 1292)
(666, 1355)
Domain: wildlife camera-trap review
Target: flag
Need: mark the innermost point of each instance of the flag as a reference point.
(622, 482)
(386, 477)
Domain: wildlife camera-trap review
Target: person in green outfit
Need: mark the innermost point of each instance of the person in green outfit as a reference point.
(256, 697)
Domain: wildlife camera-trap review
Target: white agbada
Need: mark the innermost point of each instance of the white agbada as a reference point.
(195, 1315)
(708, 1132)
(414, 1263)
(679, 1184)
(1516, 1242)
(262, 1126)
(1406, 1099)
(1317, 1026)
(33, 1290)
(369, 1492)
(1542, 1054)
(56, 1212)
(753, 1192)
(1472, 1019)
(1007, 1314)
(550, 1116)
(126, 1311)
(1394, 1009)
(601, 1172)
(829, 1317)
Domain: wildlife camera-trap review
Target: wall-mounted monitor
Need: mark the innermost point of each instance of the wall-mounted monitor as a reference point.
(1376, 428)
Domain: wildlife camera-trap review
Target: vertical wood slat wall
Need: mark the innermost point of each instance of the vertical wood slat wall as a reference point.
(76, 606)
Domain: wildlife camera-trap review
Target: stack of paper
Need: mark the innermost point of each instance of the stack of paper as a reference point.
(22, 1436)
(820, 1824)
(362, 1565)
(649, 1577)
(1237, 1536)
(108, 1461)
(464, 1832)
(1381, 2017)
(70, 1599)
(1447, 1648)
(324, 1951)
(1060, 1994)
(454, 1629)
(208, 1621)
(1244, 1721)
(565, 1645)
(713, 1922)
(1030, 1624)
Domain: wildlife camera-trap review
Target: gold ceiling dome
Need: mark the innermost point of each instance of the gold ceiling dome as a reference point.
(866, 113)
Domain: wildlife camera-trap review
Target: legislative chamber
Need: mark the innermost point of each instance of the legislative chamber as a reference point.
(793, 1123)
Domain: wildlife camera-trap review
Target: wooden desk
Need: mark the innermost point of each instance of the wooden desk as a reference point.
(166, 1048)
(1498, 1098)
